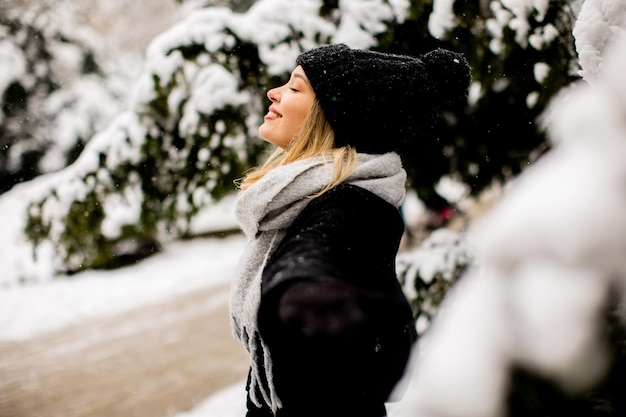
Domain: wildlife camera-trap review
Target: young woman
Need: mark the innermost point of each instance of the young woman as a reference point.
(316, 302)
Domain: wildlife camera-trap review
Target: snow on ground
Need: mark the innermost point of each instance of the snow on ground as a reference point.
(230, 402)
(183, 266)
(28, 311)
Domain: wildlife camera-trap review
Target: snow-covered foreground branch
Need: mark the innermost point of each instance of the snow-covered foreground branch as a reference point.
(551, 257)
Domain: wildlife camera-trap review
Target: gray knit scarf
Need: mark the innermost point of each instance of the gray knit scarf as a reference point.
(265, 211)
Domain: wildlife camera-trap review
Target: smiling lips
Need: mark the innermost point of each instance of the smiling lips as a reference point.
(273, 114)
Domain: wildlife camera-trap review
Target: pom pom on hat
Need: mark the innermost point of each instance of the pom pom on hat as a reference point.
(375, 101)
(451, 74)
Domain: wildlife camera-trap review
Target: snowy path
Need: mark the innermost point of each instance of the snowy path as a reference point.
(152, 361)
(150, 340)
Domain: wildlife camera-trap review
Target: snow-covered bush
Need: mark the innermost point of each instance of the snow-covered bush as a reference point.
(190, 130)
(522, 53)
(428, 271)
(56, 90)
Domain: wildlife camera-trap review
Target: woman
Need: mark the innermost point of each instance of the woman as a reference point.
(316, 302)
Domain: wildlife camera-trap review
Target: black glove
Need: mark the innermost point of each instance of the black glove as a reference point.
(321, 307)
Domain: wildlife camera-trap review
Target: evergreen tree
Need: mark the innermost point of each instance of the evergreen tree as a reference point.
(55, 92)
(239, 6)
(520, 57)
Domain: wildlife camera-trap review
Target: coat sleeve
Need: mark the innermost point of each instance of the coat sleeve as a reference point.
(330, 294)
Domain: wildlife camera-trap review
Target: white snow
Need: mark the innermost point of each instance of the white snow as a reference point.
(226, 403)
(599, 21)
(442, 18)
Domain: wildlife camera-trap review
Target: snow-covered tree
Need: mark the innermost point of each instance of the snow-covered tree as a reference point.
(190, 130)
(56, 91)
(521, 53)
(430, 270)
(239, 6)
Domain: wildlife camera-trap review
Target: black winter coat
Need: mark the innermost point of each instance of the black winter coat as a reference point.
(332, 312)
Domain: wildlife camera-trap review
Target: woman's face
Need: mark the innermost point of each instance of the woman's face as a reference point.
(290, 104)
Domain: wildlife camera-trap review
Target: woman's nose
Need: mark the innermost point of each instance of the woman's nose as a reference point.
(273, 94)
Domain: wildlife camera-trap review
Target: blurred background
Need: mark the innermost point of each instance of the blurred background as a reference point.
(125, 123)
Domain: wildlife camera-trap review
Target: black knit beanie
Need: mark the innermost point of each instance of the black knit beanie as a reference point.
(374, 101)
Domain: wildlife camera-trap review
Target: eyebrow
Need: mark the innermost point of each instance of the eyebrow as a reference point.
(301, 76)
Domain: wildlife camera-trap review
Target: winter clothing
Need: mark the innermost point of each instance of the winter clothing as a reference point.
(265, 211)
(375, 102)
(332, 314)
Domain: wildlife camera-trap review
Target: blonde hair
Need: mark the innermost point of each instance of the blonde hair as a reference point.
(316, 138)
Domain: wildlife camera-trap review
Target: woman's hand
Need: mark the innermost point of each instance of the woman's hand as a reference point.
(321, 307)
